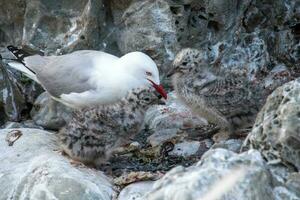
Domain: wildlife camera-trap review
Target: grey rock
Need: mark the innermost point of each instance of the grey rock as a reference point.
(135, 191)
(200, 23)
(275, 28)
(168, 123)
(185, 149)
(49, 113)
(196, 181)
(12, 100)
(286, 182)
(173, 115)
(276, 131)
(11, 21)
(149, 26)
(231, 145)
(293, 183)
(282, 193)
(17, 92)
(280, 174)
(248, 58)
(23, 124)
(118, 7)
(63, 26)
(32, 168)
(161, 136)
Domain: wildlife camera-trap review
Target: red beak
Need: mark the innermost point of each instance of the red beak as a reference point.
(159, 89)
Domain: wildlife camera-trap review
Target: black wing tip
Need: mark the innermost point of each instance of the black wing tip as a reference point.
(11, 48)
(18, 53)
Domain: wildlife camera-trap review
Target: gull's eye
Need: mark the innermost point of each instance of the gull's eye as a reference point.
(148, 73)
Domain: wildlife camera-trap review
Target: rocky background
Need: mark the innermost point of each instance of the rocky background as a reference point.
(258, 39)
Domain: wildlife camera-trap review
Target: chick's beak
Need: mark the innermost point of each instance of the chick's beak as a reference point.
(159, 89)
(173, 71)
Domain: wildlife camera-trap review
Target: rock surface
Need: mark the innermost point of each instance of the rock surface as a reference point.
(23, 124)
(241, 36)
(276, 131)
(12, 101)
(50, 114)
(231, 145)
(238, 35)
(32, 168)
(63, 26)
(166, 121)
(135, 191)
(17, 93)
(196, 181)
(150, 27)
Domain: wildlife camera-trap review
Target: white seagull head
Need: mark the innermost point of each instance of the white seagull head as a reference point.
(143, 69)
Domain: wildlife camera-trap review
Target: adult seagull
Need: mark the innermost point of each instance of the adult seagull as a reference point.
(86, 78)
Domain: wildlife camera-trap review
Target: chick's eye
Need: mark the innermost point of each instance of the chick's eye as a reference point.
(147, 99)
(184, 63)
(148, 73)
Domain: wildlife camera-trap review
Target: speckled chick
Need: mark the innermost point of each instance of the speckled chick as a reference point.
(93, 134)
(227, 100)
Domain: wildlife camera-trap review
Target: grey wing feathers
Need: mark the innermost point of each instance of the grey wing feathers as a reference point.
(62, 74)
(35, 62)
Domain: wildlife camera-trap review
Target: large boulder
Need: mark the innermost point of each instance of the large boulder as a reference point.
(32, 168)
(276, 131)
(202, 178)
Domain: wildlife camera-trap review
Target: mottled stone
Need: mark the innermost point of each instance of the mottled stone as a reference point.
(49, 113)
(173, 115)
(282, 193)
(32, 168)
(175, 122)
(148, 26)
(185, 149)
(279, 174)
(276, 131)
(231, 145)
(135, 191)
(196, 181)
(63, 26)
(12, 100)
(11, 21)
(23, 124)
(286, 183)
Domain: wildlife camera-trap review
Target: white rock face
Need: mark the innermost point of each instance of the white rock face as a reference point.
(135, 191)
(186, 148)
(33, 169)
(196, 181)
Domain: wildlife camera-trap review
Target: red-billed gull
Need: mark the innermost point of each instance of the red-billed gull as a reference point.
(86, 78)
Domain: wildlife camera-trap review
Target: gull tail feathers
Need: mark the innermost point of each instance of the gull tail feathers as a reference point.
(20, 64)
(22, 68)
